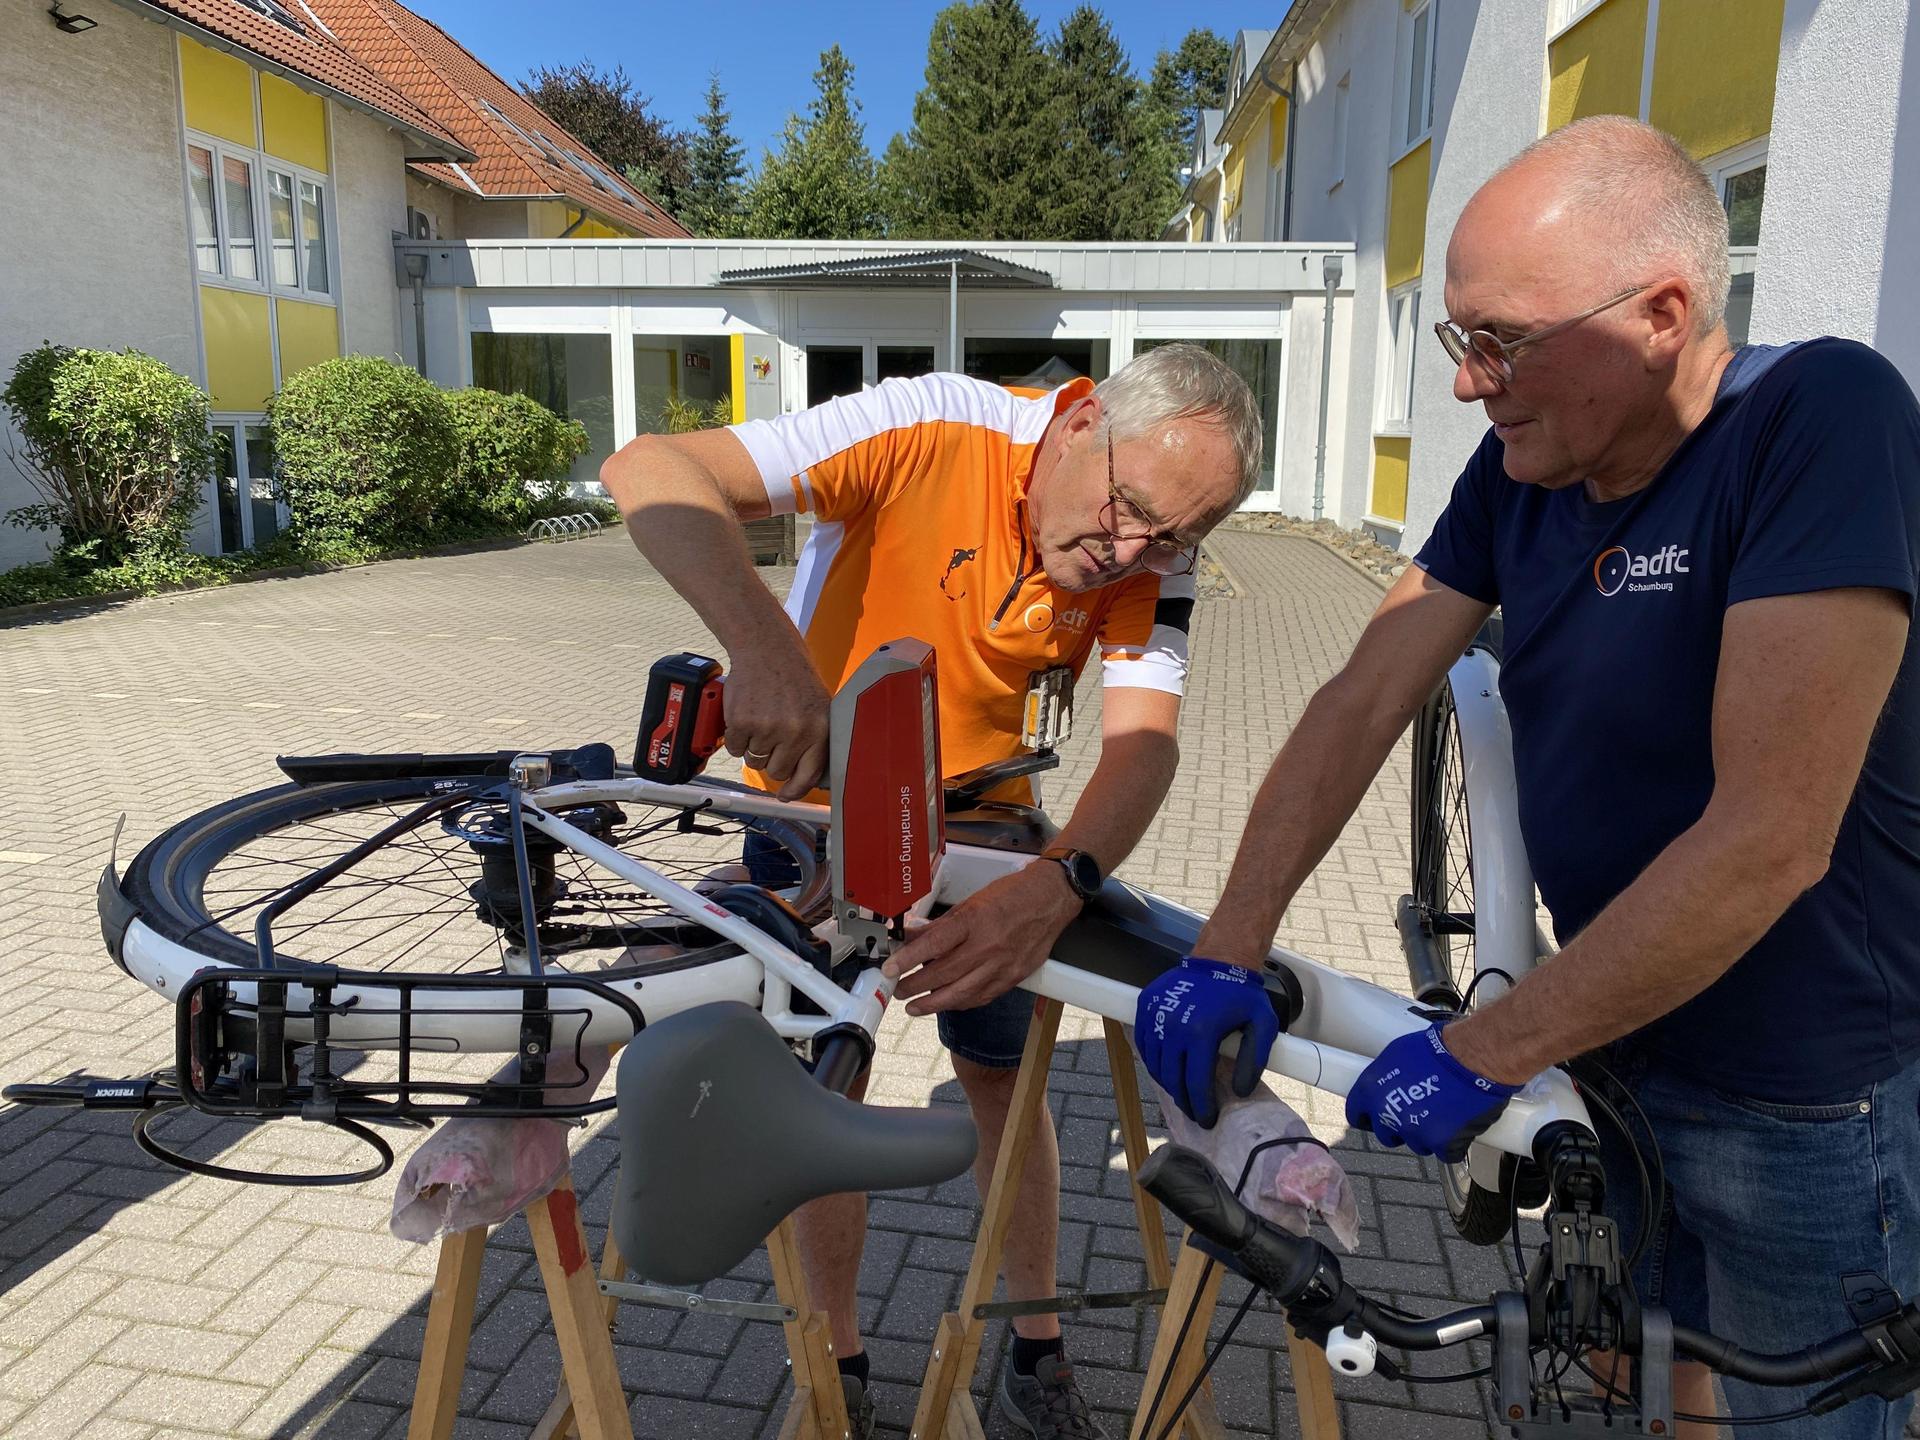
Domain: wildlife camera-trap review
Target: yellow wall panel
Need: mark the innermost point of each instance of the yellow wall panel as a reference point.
(591, 229)
(294, 123)
(239, 348)
(1392, 455)
(308, 334)
(1407, 215)
(1713, 71)
(1236, 173)
(1596, 66)
(1276, 132)
(738, 347)
(218, 91)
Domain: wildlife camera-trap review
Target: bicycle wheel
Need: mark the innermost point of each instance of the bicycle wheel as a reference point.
(443, 898)
(1443, 901)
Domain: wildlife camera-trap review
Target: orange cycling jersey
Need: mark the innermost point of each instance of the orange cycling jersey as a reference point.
(917, 490)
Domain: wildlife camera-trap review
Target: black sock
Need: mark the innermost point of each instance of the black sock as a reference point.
(1027, 1353)
(856, 1366)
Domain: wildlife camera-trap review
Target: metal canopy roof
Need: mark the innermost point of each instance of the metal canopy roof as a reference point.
(912, 270)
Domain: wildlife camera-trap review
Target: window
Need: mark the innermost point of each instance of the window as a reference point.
(236, 184)
(1342, 98)
(247, 508)
(1403, 330)
(206, 222)
(1258, 363)
(1417, 79)
(1743, 193)
(264, 223)
(1567, 12)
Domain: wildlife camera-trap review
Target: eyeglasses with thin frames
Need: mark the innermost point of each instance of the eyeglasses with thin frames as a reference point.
(1497, 354)
(1162, 556)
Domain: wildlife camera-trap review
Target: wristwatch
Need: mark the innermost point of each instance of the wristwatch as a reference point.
(1083, 871)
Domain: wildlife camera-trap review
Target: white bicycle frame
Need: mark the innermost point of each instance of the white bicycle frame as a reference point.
(1344, 1021)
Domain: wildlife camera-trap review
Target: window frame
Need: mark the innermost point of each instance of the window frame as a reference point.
(1568, 13)
(1398, 369)
(236, 424)
(1730, 164)
(260, 164)
(1403, 75)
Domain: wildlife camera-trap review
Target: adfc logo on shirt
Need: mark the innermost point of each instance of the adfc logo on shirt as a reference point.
(1618, 568)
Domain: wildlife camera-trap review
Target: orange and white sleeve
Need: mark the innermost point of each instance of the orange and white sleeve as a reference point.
(1143, 639)
(836, 459)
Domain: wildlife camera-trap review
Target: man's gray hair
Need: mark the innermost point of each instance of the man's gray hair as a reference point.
(1654, 210)
(1179, 382)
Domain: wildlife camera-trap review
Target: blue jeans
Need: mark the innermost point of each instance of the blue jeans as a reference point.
(993, 1034)
(1767, 1206)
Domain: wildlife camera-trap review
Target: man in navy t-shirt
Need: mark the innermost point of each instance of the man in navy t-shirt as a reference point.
(1706, 562)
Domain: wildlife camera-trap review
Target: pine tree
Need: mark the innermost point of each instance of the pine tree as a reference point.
(1111, 177)
(975, 163)
(821, 184)
(1189, 80)
(716, 163)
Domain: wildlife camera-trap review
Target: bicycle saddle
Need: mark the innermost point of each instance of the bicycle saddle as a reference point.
(723, 1135)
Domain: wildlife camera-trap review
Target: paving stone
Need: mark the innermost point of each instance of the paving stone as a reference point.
(312, 1298)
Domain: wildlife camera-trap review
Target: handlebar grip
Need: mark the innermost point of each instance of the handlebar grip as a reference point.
(1192, 1189)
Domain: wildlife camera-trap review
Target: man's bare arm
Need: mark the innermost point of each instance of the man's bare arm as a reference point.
(1801, 684)
(1323, 770)
(684, 498)
(992, 941)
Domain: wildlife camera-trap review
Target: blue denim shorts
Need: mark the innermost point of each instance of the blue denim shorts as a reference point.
(1767, 1206)
(993, 1034)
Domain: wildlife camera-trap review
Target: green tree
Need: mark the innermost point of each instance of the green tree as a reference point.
(1188, 80)
(821, 184)
(716, 163)
(604, 111)
(985, 123)
(1112, 176)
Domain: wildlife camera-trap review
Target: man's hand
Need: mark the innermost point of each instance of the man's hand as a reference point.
(1417, 1094)
(776, 711)
(987, 944)
(1183, 1019)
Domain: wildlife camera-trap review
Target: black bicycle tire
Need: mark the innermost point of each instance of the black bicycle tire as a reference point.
(161, 881)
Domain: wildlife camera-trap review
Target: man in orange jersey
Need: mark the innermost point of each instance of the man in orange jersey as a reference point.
(1014, 533)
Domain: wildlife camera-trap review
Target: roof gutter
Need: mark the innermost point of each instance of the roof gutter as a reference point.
(438, 148)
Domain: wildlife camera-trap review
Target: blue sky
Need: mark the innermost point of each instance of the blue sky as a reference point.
(766, 53)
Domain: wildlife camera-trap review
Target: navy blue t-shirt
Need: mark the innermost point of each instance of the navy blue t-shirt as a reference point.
(1804, 476)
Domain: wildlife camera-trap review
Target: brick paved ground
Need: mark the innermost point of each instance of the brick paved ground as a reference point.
(136, 1302)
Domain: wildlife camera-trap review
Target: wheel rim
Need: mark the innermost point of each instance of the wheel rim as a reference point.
(437, 900)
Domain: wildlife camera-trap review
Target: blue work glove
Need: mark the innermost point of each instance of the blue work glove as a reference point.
(1416, 1093)
(1187, 1014)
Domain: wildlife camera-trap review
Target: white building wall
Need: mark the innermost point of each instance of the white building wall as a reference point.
(1840, 234)
(370, 200)
(1345, 198)
(93, 242)
(1488, 79)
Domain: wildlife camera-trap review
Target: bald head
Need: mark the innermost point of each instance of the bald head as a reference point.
(1615, 201)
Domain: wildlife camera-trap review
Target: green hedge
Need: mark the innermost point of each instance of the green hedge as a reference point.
(117, 446)
(365, 450)
(514, 456)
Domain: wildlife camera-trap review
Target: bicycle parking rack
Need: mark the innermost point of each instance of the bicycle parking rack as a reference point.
(565, 527)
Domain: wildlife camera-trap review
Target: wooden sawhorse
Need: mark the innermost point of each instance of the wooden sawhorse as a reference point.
(590, 1401)
(945, 1410)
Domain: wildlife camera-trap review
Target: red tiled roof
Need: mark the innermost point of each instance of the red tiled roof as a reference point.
(490, 117)
(312, 54)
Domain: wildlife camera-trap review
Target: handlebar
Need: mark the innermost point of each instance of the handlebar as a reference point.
(1880, 1357)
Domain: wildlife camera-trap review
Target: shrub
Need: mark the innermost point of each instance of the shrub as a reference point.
(366, 451)
(117, 446)
(514, 456)
(680, 417)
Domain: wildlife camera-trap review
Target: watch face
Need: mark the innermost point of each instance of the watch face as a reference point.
(1083, 871)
